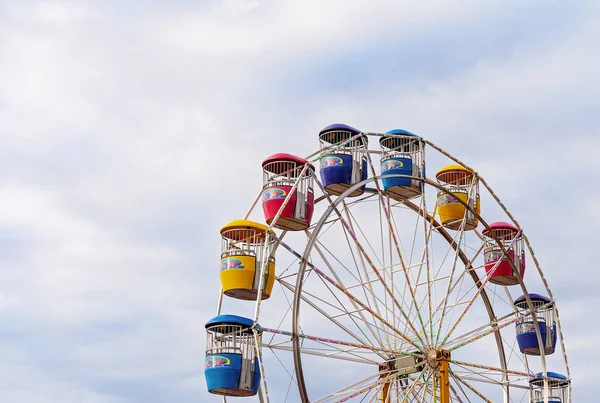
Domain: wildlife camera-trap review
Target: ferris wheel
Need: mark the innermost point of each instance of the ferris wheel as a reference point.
(363, 279)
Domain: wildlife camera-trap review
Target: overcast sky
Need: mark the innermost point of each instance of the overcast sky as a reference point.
(131, 131)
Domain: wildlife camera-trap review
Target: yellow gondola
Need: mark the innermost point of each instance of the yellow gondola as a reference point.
(464, 185)
(246, 245)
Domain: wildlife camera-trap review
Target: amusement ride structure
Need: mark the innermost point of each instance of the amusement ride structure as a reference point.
(366, 280)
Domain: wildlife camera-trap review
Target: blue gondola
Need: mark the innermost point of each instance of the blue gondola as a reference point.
(526, 331)
(402, 154)
(345, 163)
(558, 388)
(231, 365)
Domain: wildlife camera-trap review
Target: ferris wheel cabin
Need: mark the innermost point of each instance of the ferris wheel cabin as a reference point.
(231, 365)
(498, 265)
(346, 165)
(558, 388)
(526, 331)
(464, 185)
(245, 247)
(292, 209)
(402, 154)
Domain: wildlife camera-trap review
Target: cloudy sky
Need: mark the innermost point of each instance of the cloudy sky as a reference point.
(130, 131)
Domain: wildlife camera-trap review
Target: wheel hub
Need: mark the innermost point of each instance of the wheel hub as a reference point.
(416, 362)
(431, 358)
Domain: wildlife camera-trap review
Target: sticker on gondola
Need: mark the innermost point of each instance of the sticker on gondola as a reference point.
(493, 256)
(230, 263)
(525, 328)
(446, 199)
(274, 193)
(215, 361)
(331, 161)
(391, 164)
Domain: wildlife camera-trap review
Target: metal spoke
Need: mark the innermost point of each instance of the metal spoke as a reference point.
(363, 254)
(500, 370)
(468, 307)
(394, 237)
(352, 297)
(441, 322)
(322, 354)
(333, 320)
(339, 342)
(354, 303)
(478, 393)
(349, 389)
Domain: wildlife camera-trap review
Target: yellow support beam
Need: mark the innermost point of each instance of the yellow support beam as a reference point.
(443, 356)
(385, 393)
(384, 370)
